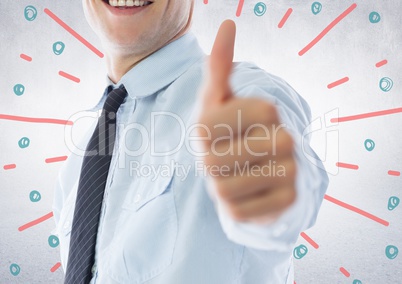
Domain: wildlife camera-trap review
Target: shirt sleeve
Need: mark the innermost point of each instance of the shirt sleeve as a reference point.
(311, 178)
(58, 201)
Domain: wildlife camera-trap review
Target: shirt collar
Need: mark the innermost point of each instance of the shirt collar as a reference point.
(162, 67)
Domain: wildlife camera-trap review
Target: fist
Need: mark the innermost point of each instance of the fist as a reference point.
(249, 155)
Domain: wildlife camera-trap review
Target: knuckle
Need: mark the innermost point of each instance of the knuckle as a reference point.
(267, 111)
(209, 160)
(264, 110)
(284, 142)
(224, 191)
(267, 107)
(203, 118)
(289, 143)
(237, 213)
(291, 170)
(290, 197)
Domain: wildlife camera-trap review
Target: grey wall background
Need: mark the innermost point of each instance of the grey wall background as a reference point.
(351, 49)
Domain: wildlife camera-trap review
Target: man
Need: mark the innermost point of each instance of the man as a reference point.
(184, 179)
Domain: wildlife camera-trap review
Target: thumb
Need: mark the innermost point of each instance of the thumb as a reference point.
(220, 64)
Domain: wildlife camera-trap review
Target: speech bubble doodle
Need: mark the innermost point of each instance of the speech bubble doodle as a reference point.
(24, 142)
(15, 269)
(53, 241)
(393, 202)
(316, 8)
(300, 251)
(35, 196)
(260, 9)
(369, 145)
(391, 251)
(19, 89)
(386, 84)
(58, 47)
(374, 17)
(30, 13)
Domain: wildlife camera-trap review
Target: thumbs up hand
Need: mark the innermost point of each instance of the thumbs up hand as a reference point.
(249, 155)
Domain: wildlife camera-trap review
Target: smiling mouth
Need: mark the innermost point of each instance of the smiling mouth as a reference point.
(127, 3)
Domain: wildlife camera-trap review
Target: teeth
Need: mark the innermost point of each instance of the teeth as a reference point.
(128, 3)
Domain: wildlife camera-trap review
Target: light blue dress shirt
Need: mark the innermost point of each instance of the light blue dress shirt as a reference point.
(160, 223)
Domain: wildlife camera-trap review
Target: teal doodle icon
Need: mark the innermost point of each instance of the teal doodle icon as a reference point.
(391, 251)
(53, 241)
(316, 8)
(30, 13)
(260, 9)
(300, 251)
(15, 269)
(357, 281)
(24, 142)
(393, 202)
(19, 89)
(58, 47)
(374, 17)
(34, 196)
(386, 84)
(369, 145)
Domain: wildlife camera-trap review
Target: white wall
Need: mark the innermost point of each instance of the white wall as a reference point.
(346, 239)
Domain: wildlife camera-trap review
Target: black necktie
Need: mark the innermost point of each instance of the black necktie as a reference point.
(91, 187)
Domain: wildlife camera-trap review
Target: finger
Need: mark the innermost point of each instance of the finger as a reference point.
(239, 114)
(268, 202)
(220, 64)
(255, 146)
(249, 181)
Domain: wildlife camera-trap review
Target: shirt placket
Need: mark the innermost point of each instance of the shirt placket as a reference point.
(122, 117)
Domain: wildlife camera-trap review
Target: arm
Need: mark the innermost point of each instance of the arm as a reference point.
(259, 211)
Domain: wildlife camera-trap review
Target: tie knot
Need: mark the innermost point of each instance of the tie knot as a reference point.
(114, 99)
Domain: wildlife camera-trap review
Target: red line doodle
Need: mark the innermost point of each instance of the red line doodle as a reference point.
(344, 272)
(367, 115)
(205, 2)
(327, 29)
(347, 166)
(55, 267)
(35, 222)
(26, 57)
(239, 8)
(73, 33)
(285, 18)
(9, 167)
(35, 120)
(394, 173)
(309, 240)
(356, 210)
(68, 76)
(55, 159)
(381, 63)
(338, 82)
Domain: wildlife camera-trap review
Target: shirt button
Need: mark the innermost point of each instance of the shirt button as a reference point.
(137, 198)
(93, 270)
(66, 225)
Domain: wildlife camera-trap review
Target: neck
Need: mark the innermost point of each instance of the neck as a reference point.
(119, 63)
